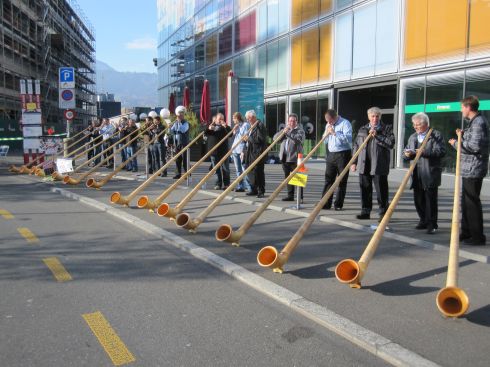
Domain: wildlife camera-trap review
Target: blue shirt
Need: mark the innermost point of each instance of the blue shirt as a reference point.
(342, 140)
(242, 130)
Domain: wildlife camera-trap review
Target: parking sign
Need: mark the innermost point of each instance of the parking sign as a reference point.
(66, 77)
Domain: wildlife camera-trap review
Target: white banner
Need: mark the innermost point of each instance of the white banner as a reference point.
(32, 131)
(31, 118)
(51, 145)
(64, 165)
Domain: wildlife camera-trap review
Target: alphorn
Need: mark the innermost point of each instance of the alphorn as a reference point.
(144, 202)
(269, 257)
(225, 231)
(452, 301)
(117, 198)
(165, 210)
(75, 181)
(92, 182)
(351, 272)
(59, 177)
(184, 220)
(30, 166)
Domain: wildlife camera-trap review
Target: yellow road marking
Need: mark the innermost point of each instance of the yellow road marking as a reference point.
(27, 234)
(58, 270)
(6, 214)
(110, 341)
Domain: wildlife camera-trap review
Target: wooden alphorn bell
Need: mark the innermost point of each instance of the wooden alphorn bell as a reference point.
(184, 220)
(59, 177)
(225, 231)
(350, 271)
(451, 300)
(93, 183)
(75, 181)
(144, 202)
(269, 257)
(165, 210)
(117, 198)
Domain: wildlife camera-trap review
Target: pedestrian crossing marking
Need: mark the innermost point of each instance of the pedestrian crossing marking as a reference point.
(107, 337)
(57, 268)
(28, 235)
(6, 214)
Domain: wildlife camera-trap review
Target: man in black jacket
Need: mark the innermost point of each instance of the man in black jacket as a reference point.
(373, 163)
(215, 132)
(426, 177)
(256, 144)
(474, 167)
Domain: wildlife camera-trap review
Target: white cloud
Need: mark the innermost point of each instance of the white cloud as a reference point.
(145, 43)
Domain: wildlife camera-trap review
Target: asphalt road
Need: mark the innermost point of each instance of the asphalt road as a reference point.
(133, 299)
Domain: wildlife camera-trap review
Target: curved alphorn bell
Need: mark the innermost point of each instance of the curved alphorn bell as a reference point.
(184, 219)
(165, 210)
(75, 181)
(269, 257)
(144, 202)
(451, 300)
(225, 231)
(59, 177)
(350, 271)
(117, 198)
(92, 182)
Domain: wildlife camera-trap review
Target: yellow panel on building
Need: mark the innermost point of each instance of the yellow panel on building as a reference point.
(325, 52)
(479, 37)
(296, 60)
(310, 52)
(415, 31)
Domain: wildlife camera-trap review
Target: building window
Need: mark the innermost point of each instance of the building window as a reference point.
(224, 69)
(199, 56)
(245, 31)
(343, 46)
(244, 65)
(226, 41)
(387, 36)
(212, 50)
(304, 11)
(225, 11)
(213, 84)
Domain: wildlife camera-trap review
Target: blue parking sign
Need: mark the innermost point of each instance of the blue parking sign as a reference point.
(67, 75)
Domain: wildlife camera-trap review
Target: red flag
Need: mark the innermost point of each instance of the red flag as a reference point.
(171, 103)
(187, 97)
(205, 104)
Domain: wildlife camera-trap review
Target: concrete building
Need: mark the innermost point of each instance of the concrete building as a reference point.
(107, 106)
(37, 37)
(403, 56)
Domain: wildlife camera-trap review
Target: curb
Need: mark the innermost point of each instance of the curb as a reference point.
(374, 343)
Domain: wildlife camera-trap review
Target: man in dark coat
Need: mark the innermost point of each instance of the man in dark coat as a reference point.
(256, 144)
(215, 132)
(373, 163)
(291, 145)
(426, 177)
(474, 167)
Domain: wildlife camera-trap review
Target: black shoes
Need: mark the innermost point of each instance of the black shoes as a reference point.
(337, 209)
(421, 226)
(260, 195)
(217, 187)
(463, 237)
(239, 190)
(363, 216)
(431, 230)
(251, 193)
(176, 177)
(470, 242)
(288, 198)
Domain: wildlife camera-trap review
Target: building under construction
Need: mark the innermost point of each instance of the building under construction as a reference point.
(37, 37)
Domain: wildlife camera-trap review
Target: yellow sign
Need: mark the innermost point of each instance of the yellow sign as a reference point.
(31, 106)
(299, 179)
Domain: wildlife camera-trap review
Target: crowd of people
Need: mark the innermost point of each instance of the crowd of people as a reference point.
(249, 141)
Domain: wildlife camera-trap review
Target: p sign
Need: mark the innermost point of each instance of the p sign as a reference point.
(67, 77)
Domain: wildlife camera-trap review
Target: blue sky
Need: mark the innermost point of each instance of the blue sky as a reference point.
(126, 32)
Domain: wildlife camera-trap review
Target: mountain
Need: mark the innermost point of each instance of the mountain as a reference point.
(132, 89)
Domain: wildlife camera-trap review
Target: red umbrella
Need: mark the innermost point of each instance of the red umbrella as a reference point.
(187, 97)
(228, 121)
(171, 103)
(205, 104)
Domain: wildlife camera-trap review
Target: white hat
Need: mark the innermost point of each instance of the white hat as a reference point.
(179, 110)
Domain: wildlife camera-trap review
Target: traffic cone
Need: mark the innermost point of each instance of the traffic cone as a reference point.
(302, 167)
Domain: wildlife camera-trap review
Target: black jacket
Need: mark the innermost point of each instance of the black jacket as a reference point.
(429, 168)
(256, 144)
(379, 147)
(214, 136)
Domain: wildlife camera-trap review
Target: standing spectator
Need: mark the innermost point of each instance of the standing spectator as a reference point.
(339, 144)
(96, 137)
(159, 146)
(241, 128)
(149, 148)
(256, 144)
(373, 163)
(180, 138)
(215, 132)
(426, 177)
(291, 145)
(123, 123)
(130, 133)
(474, 167)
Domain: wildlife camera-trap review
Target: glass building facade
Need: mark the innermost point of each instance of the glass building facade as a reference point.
(404, 56)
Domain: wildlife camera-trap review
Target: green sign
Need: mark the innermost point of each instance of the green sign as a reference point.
(443, 107)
